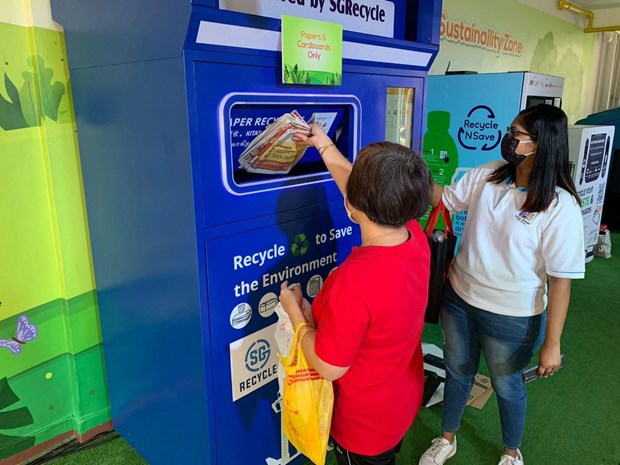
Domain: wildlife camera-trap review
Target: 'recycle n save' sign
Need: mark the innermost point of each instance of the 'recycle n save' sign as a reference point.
(480, 129)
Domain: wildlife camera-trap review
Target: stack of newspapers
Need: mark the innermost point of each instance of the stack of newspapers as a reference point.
(274, 151)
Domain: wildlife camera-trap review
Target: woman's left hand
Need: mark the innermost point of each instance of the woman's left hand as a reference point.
(550, 359)
(291, 299)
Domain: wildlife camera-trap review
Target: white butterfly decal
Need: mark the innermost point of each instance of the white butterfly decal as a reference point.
(25, 332)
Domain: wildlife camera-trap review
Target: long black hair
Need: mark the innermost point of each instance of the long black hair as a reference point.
(548, 126)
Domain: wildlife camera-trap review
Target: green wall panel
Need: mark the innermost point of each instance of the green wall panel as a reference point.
(56, 382)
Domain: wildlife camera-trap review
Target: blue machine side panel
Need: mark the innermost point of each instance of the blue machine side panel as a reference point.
(427, 28)
(119, 31)
(132, 131)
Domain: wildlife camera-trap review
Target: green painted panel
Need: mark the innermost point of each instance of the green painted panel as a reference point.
(59, 399)
(84, 322)
(12, 416)
(50, 342)
(55, 383)
(92, 390)
(63, 327)
(70, 210)
(29, 271)
(64, 163)
(46, 238)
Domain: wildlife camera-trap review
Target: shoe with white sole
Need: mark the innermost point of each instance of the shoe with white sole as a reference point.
(441, 450)
(508, 460)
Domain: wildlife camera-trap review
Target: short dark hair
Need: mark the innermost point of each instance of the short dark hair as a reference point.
(547, 125)
(390, 183)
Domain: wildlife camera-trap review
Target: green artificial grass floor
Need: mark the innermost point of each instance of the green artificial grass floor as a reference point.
(573, 417)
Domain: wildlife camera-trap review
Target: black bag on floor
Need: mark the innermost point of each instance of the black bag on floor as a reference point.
(442, 244)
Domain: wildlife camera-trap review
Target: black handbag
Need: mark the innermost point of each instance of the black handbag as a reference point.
(442, 244)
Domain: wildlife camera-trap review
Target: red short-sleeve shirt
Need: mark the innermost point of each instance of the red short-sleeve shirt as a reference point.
(370, 317)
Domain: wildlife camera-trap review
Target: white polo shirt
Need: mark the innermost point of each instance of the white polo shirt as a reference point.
(505, 254)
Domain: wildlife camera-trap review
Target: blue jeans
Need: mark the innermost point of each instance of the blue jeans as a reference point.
(508, 344)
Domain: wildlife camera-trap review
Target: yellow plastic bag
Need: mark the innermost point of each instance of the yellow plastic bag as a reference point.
(307, 402)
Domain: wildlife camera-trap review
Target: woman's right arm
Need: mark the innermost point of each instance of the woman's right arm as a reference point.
(337, 164)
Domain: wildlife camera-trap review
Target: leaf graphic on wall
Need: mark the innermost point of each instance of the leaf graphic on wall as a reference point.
(11, 116)
(545, 57)
(11, 419)
(49, 94)
(572, 69)
(28, 100)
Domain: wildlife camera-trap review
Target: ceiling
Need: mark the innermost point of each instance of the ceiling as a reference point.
(596, 4)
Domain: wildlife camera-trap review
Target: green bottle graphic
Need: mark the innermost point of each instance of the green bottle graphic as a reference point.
(440, 152)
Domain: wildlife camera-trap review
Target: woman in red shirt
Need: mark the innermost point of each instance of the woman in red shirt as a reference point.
(369, 315)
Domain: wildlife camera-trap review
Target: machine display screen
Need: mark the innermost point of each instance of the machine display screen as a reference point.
(399, 115)
(533, 100)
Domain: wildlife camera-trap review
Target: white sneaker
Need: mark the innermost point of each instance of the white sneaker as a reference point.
(508, 460)
(441, 450)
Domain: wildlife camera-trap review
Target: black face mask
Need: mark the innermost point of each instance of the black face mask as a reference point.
(508, 147)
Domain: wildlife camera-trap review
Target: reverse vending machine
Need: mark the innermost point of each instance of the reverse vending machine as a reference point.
(467, 116)
(189, 245)
(590, 155)
(611, 212)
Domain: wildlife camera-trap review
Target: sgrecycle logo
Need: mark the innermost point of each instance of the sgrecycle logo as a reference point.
(257, 355)
(480, 131)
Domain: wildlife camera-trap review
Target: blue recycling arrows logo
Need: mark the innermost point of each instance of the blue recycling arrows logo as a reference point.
(480, 131)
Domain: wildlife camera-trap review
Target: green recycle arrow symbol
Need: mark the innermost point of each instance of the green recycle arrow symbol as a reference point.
(299, 245)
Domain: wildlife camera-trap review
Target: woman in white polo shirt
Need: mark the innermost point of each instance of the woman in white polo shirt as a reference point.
(521, 246)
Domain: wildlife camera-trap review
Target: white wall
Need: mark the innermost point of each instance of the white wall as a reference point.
(551, 7)
(607, 17)
(602, 17)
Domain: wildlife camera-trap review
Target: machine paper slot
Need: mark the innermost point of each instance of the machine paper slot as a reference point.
(274, 151)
